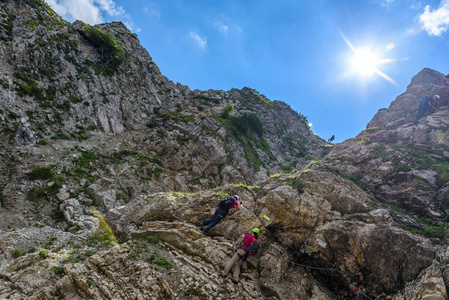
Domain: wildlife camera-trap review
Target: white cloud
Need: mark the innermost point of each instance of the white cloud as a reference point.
(152, 10)
(91, 11)
(222, 28)
(385, 3)
(202, 42)
(84, 10)
(109, 7)
(435, 22)
(225, 28)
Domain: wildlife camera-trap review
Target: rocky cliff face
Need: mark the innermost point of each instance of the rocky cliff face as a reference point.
(108, 168)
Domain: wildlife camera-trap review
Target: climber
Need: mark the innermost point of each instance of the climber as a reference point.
(435, 103)
(249, 247)
(227, 206)
(331, 139)
(426, 104)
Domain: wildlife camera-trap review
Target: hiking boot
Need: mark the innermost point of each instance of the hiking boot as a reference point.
(234, 280)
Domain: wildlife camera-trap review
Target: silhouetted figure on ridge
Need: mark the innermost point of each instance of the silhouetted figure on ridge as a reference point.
(331, 139)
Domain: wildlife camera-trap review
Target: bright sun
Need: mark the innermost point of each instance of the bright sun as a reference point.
(364, 62)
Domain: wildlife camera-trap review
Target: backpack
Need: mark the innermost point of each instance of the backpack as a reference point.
(252, 249)
(226, 203)
(423, 102)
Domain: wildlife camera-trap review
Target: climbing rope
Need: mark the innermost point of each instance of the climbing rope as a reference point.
(365, 295)
(310, 267)
(328, 269)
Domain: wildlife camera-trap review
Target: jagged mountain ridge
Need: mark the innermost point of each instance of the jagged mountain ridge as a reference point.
(93, 132)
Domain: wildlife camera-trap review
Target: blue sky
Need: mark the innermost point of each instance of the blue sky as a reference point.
(300, 52)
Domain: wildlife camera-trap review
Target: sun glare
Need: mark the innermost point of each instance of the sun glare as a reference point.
(365, 61)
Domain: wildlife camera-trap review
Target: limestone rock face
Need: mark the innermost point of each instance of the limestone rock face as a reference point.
(399, 158)
(58, 85)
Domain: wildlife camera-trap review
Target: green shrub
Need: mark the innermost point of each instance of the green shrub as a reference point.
(41, 173)
(287, 169)
(247, 123)
(403, 167)
(435, 231)
(355, 178)
(57, 116)
(89, 282)
(43, 142)
(29, 87)
(151, 258)
(86, 158)
(30, 114)
(64, 106)
(163, 263)
(394, 207)
(225, 113)
(247, 130)
(157, 172)
(75, 100)
(13, 115)
(36, 193)
(16, 253)
(154, 239)
(58, 270)
(111, 54)
(43, 253)
(297, 184)
(51, 92)
(8, 23)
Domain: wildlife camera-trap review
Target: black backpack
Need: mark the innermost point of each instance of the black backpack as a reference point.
(252, 249)
(226, 203)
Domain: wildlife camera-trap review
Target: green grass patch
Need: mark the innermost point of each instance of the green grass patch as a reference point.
(247, 130)
(29, 87)
(220, 194)
(431, 232)
(157, 172)
(112, 55)
(16, 253)
(250, 187)
(287, 168)
(163, 263)
(58, 270)
(364, 140)
(153, 239)
(394, 207)
(41, 172)
(296, 184)
(86, 157)
(355, 178)
(225, 113)
(43, 253)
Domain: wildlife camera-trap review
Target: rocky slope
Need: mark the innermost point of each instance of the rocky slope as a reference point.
(107, 169)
